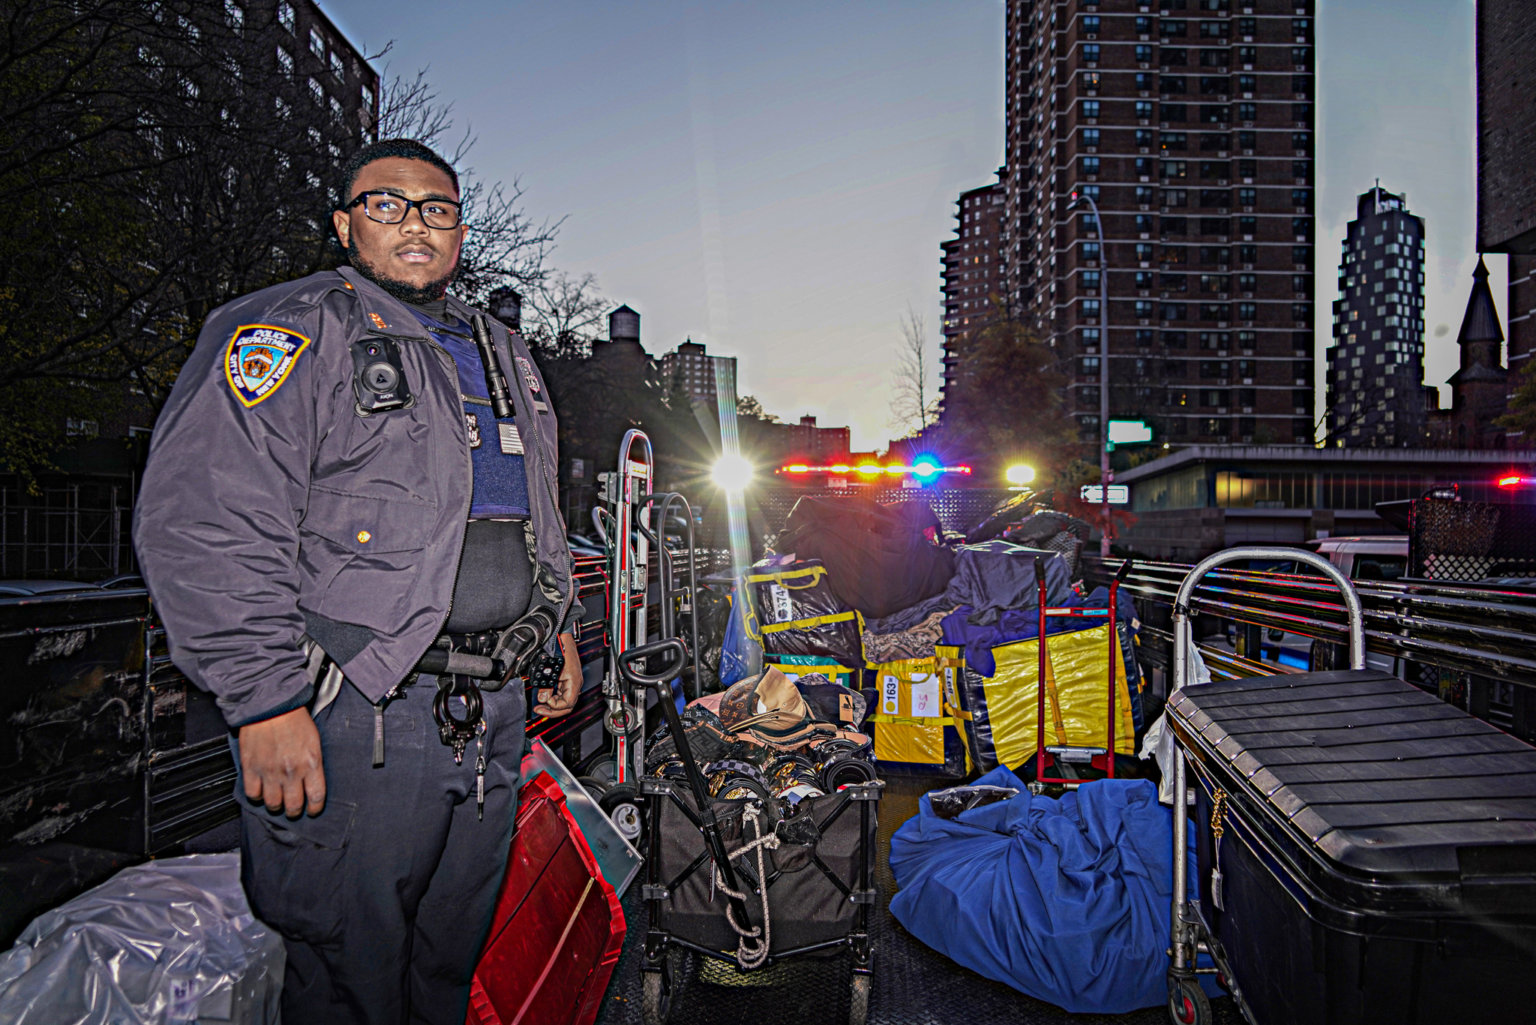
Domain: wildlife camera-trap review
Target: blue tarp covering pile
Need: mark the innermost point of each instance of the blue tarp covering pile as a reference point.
(1066, 899)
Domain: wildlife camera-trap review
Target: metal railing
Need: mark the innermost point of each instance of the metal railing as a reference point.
(1473, 644)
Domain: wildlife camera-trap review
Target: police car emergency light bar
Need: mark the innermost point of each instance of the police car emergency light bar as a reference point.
(1515, 480)
(922, 469)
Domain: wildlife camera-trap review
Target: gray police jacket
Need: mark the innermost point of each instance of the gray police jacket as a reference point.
(269, 502)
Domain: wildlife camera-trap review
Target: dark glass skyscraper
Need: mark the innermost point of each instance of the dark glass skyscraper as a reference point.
(1376, 365)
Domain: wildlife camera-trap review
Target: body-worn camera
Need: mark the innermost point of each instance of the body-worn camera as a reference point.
(378, 379)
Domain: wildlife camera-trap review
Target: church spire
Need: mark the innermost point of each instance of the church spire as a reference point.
(1480, 329)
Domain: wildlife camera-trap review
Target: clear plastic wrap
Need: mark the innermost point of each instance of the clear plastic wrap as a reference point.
(164, 943)
(946, 804)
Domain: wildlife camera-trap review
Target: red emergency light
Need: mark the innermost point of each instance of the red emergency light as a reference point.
(1515, 480)
(874, 469)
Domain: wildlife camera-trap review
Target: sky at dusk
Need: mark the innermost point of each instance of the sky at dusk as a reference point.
(774, 180)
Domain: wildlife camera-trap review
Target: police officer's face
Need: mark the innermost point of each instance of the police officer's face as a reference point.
(409, 259)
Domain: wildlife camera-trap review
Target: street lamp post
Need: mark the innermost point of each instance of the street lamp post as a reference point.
(1080, 196)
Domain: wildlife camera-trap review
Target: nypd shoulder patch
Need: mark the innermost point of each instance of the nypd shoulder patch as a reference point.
(259, 358)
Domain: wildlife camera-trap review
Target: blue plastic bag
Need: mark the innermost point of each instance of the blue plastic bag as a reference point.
(1066, 899)
(741, 653)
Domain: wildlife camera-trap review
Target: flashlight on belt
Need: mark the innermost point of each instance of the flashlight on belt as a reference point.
(495, 380)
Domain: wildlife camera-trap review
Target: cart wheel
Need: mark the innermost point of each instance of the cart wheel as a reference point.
(1188, 1004)
(599, 765)
(858, 1004)
(594, 786)
(621, 803)
(657, 998)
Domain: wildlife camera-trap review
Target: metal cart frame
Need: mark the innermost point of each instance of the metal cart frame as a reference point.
(1191, 936)
(860, 892)
(1058, 755)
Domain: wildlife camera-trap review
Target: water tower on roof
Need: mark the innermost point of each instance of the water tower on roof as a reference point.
(624, 325)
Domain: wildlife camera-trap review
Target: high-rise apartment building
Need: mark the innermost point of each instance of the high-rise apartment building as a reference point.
(972, 278)
(1376, 365)
(341, 88)
(691, 369)
(1191, 124)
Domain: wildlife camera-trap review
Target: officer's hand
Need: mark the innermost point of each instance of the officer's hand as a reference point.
(280, 760)
(559, 700)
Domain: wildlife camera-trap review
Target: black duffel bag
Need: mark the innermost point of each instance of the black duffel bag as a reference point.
(879, 559)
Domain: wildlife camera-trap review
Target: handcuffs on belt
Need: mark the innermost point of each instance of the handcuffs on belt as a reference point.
(468, 664)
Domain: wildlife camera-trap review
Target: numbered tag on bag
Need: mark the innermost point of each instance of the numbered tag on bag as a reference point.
(890, 695)
(783, 607)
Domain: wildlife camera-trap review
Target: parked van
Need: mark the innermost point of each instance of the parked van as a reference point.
(1362, 560)
(1383, 557)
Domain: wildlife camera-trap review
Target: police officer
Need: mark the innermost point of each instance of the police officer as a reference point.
(329, 493)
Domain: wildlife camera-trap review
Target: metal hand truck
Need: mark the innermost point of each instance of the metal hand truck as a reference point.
(1191, 934)
(634, 522)
(1061, 757)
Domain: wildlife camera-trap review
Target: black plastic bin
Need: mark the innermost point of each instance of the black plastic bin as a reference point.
(1378, 850)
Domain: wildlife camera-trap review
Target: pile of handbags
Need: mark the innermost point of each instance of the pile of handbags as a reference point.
(768, 739)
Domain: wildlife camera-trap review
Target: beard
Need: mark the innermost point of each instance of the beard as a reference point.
(402, 290)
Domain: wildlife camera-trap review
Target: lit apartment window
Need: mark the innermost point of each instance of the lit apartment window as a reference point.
(285, 15)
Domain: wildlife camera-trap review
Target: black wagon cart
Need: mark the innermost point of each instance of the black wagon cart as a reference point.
(728, 878)
(1364, 851)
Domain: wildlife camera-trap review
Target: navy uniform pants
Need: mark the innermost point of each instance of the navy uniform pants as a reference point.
(385, 898)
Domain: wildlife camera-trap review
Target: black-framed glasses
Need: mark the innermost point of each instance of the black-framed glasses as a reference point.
(389, 208)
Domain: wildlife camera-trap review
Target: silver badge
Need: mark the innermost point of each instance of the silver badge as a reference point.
(472, 426)
(529, 377)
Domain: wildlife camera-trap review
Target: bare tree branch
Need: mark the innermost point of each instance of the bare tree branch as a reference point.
(563, 315)
(913, 406)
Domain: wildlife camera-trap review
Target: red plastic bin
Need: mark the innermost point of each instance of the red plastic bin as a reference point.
(558, 926)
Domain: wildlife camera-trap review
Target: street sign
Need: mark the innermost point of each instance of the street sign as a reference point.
(1129, 432)
(1119, 494)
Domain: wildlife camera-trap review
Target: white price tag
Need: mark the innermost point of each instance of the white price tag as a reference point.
(783, 608)
(925, 697)
(890, 697)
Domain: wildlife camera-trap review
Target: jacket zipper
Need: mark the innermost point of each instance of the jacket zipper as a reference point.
(552, 492)
(469, 494)
(554, 498)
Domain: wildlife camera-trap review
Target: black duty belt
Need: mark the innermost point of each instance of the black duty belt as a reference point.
(467, 664)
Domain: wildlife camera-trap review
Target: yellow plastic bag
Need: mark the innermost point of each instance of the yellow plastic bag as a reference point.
(917, 716)
(1077, 694)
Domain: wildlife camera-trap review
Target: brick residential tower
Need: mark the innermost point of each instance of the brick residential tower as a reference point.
(1191, 124)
